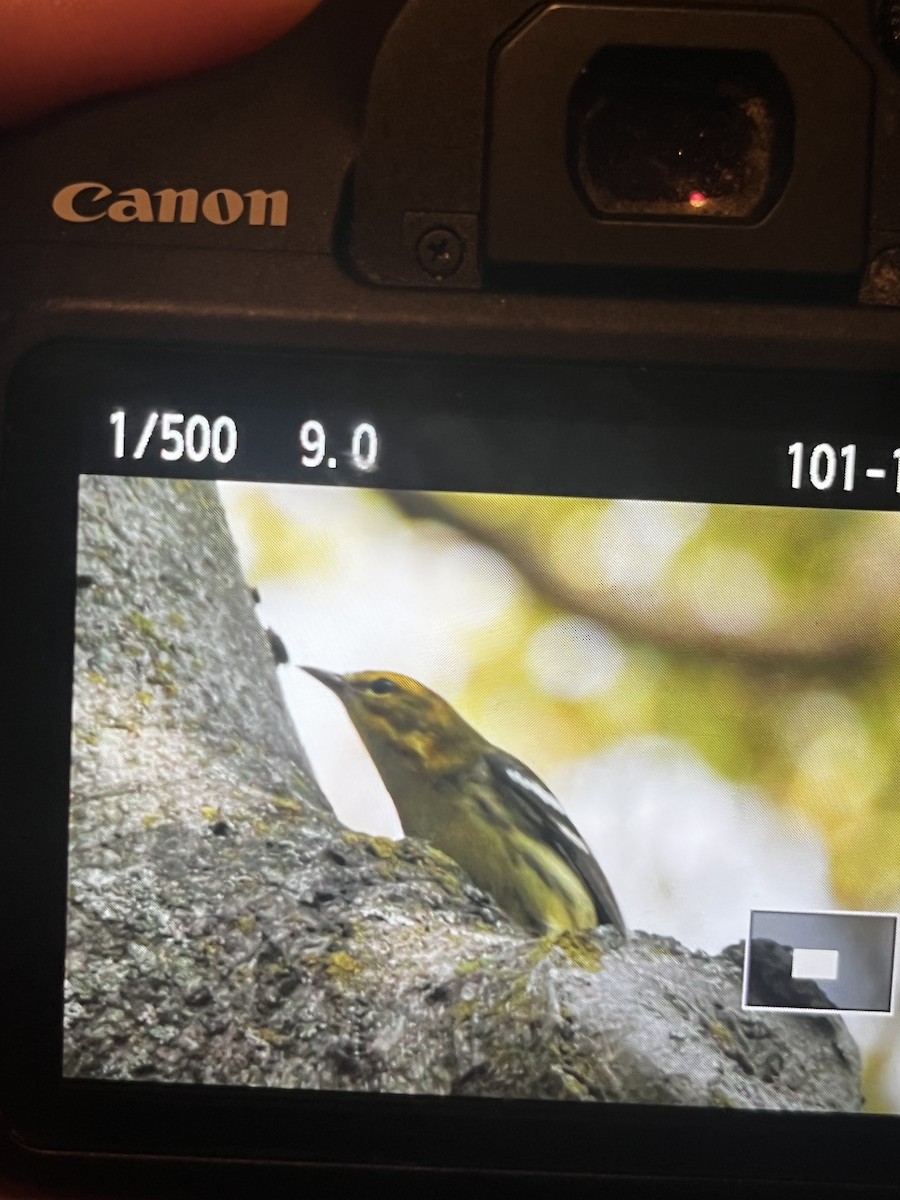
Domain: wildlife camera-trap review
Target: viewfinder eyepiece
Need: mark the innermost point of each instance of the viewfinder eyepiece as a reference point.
(666, 139)
(667, 133)
(591, 145)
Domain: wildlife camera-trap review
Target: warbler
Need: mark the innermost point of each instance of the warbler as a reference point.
(479, 805)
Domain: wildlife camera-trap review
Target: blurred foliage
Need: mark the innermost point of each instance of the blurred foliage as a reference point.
(762, 637)
(798, 693)
(280, 547)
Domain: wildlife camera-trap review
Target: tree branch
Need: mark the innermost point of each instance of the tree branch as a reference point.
(847, 635)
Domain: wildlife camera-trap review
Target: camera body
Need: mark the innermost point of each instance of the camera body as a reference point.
(426, 137)
(456, 188)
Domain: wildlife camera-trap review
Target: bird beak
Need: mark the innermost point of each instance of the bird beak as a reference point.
(337, 683)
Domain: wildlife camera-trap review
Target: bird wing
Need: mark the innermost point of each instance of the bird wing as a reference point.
(550, 824)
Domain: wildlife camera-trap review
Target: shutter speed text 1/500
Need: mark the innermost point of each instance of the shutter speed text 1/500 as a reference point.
(197, 438)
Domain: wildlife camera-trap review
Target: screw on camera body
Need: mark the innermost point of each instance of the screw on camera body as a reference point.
(440, 252)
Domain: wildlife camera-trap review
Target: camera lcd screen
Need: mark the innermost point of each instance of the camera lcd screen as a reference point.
(689, 680)
(447, 731)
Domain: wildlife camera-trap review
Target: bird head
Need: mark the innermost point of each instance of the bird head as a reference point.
(396, 715)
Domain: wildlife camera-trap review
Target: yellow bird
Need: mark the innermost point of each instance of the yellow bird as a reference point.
(476, 803)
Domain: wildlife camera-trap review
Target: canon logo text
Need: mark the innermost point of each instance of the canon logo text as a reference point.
(81, 203)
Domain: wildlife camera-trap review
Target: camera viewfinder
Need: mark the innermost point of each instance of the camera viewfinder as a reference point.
(660, 133)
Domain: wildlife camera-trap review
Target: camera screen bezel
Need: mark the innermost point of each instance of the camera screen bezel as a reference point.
(41, 464)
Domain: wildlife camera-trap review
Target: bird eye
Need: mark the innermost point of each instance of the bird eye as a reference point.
(381, 687)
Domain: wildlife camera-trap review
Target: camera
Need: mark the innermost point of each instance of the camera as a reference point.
(448, 516)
